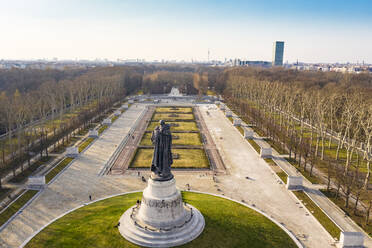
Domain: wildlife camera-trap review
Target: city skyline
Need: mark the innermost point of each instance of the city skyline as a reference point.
(320, 31)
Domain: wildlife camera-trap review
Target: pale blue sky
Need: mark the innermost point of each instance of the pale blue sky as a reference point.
(314, 31)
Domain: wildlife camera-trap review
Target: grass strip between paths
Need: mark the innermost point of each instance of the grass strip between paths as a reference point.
(323, 219)
(85, 143)
(15, 206)
(51, 174)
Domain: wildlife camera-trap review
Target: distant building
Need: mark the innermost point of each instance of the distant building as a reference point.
(278, 50)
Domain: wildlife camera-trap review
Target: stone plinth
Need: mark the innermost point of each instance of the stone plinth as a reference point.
(125, 106)
(228, 113)
(248, 133)
(131, 101)
(294, 183)
(351, 239)
(265, 152)
(93, 133)
(117, 113)
(162, 219)
(35, 181)
(107, 121)
(72, 152)
(237, 122)
(222, 106)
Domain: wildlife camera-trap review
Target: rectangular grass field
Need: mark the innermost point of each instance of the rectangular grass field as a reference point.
(187, 139)
(172, 116)
(181, 126)
(187, 158)
(174, 110)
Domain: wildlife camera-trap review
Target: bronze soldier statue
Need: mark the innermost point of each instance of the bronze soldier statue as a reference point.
(162, 159)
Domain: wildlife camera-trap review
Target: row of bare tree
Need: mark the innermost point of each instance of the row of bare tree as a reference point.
(326, 125)
(37, 118)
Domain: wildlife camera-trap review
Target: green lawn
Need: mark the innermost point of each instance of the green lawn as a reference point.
(190, 139)
(170, 117)
(114, 118)
(283, 176)
(255, 145)
(241, 130)
(12, 209)
(85, 143)
(51, 174)
(102, 128)
(228, 224)
(188, 158)
(181, 126)
(318, 214)
(174, 110)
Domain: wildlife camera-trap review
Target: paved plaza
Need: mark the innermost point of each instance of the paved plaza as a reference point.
(248, 178)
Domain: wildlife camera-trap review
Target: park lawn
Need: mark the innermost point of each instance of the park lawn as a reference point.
(182, 126)
(340, 202)
(255, 145)
(211, 93)
(114, 118)
(241, 130)
(85, 143)
(228, 224)
(27, 172)
(61, 165)
(15, 206)
(283, 176)
(168, 117)
(173, 110)
(188, 158)
(323, 219)
(102, 128)
(187, 139)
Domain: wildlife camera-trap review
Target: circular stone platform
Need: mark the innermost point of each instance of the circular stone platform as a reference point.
(161, 219)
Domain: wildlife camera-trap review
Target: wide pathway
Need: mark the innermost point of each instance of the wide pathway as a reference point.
(250, 179)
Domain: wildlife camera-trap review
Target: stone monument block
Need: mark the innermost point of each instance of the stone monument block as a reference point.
(228, 113)
(36, 181)
(125, 106)
(107, 121)
(237, 122)
(294, 183)
(117, 113)
(72, 152)
(93, 133)
(131, 101)
(351, 239)
(222, 106)
(265, 152)
(248, 133)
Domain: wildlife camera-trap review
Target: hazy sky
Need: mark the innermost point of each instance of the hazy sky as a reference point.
(313, 30)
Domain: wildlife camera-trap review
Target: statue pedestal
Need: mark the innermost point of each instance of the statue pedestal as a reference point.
(162, 219)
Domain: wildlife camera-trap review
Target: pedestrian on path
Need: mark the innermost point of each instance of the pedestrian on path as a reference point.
(90, 198)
